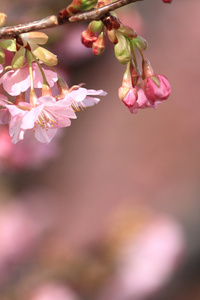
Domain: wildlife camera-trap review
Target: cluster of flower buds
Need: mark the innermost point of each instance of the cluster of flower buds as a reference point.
(139, 89)
(42, 114)
(143, 91)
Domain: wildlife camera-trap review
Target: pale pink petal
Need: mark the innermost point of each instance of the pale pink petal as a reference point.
(62, 111)
(29, 119)
(45, 135)
(14, 110)
(1, 68)
(90, 101)
(77, 95)
(15, 130)
(96, 92)
(51, 77)
(15, 82)
(47, 100)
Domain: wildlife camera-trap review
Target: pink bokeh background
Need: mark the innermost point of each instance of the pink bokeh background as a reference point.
(113, 161)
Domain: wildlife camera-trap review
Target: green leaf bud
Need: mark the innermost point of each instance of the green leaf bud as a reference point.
(9, 45)
(96, 26)
(123, 49)
(18, 59)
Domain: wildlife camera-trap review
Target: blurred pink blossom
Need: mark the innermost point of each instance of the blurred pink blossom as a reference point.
(28, 154)
(53, 291)
(146, 263)
(19, 236)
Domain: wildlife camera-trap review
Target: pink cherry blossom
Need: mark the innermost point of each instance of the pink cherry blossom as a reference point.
(1, 68)
(17, 81)
(20, 235)
(83, 97)
(146, 261)
(157, 92)
(44, 119)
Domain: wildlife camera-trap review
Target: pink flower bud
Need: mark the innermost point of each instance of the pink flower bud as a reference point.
(128, 96)
(99, 45)
(88, 38)
(157, 88)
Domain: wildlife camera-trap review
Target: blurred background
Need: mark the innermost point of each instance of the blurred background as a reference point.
(110, 209)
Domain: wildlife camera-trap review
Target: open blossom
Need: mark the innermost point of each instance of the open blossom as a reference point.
(47, 115)
(44, 119)
(17, 81)
(82, 97)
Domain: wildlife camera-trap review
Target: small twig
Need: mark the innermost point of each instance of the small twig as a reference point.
(53, 21)
(99, 13)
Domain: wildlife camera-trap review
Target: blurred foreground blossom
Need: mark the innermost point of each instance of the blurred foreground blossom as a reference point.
(28, 154)
(53, 291)
(19, 236)
(146, 262)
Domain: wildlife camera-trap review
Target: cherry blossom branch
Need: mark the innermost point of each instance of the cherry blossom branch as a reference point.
(62, 18)
(99, 13)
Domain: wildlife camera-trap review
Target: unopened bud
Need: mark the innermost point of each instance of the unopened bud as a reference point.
(140, 42)
(88, 38)
(112, 36)
(99, 45)
(47, 57)
(128, 96)
(80, 5)
(127, 31)
(2, 56)
(96, 26)
(2, 18)
(122, 49)
(18, 59)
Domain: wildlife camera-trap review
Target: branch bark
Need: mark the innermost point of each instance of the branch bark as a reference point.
(53, 21)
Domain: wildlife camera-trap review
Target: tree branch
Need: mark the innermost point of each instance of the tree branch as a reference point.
(61, 18)
(99, 13)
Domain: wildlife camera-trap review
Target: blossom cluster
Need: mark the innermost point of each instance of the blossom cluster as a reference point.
(42, 114)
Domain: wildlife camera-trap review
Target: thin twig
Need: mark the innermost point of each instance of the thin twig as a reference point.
(53, 21)
(99, 13)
